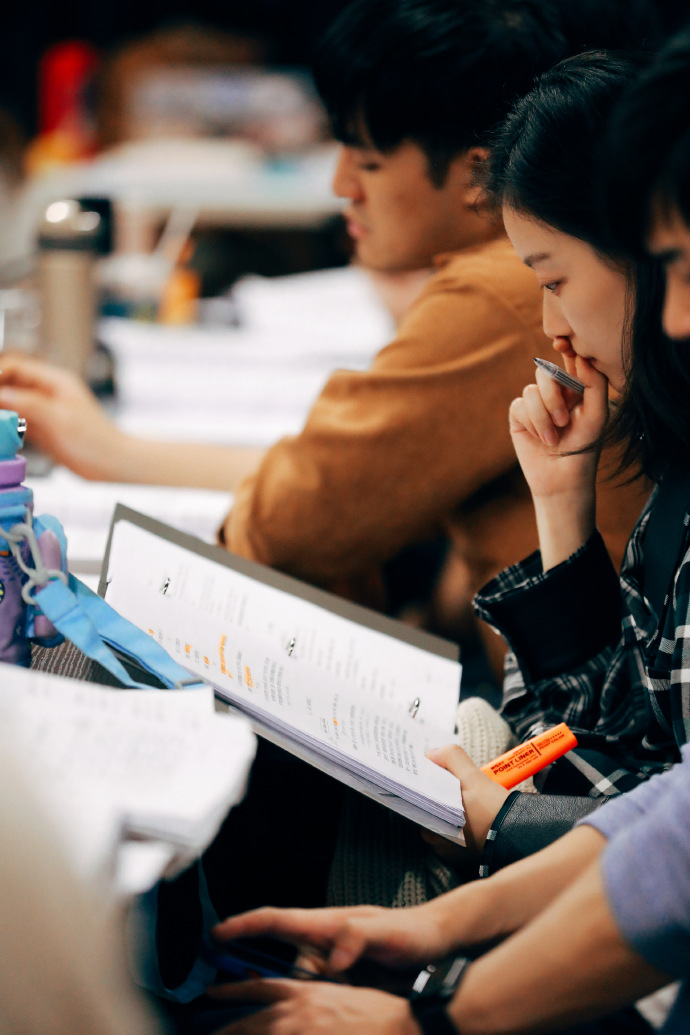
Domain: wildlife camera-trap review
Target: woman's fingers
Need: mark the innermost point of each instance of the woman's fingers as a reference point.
(545, 409)
(538, 416)
(555, 398)
(596, 387)
(455, 759)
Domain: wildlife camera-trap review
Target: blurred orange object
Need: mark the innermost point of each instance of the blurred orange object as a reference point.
(179, 302)
(66, 97)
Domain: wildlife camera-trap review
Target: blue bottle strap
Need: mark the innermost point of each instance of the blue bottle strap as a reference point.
(95, 628)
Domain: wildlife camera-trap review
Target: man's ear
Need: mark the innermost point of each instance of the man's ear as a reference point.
(464, 171)
(474, 160)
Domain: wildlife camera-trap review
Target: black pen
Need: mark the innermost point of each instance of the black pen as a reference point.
(559, 375)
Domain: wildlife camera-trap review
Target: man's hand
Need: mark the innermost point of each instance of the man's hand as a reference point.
(64, 419)
(332, 940)
(316, 1008)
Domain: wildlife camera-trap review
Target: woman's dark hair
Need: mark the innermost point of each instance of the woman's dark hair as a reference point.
(647, 167)
(648, 146)
(546, 161)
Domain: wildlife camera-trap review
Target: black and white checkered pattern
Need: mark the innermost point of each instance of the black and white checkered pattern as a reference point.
(627, 701)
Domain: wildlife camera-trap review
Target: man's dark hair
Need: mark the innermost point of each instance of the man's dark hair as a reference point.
(627, 25)
(443, 73)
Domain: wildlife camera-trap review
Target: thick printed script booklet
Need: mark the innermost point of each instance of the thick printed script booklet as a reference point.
(358, 695)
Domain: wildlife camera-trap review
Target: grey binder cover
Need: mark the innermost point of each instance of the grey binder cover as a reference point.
(329, 602)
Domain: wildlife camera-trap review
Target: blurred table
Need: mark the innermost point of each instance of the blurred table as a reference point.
(248, 384)
(228, 183)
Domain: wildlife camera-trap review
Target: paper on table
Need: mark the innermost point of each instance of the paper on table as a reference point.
(251, 384)
(85, 509)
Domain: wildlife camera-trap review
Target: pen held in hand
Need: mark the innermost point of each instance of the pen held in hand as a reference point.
(560, 375)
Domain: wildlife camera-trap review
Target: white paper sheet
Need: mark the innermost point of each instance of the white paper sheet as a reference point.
(112, 764)
(254, 383)
(85, 510)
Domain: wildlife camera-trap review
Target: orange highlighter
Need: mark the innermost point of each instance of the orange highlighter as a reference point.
(528, 758)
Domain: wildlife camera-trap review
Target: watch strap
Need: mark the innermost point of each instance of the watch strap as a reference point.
(432, 1017)
(430, 1011)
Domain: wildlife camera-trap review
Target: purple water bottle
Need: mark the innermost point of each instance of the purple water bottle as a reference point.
(17, 554)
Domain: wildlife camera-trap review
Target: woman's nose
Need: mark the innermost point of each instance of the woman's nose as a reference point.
(555, 323)
(676, 314)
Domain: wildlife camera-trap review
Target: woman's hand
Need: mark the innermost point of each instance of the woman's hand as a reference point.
(64, 419)
(549, 420)
(546, 422)
(482, 797)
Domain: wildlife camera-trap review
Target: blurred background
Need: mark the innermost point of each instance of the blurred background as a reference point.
(206, 111)
(198, 118)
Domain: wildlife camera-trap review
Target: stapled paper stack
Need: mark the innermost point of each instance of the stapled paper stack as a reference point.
(354, 693)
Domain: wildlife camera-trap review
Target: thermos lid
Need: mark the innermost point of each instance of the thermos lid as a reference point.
(73, 224)
(12, 467)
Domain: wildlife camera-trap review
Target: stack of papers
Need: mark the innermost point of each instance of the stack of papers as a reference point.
(138, 781)
(358, 695)
(253, 383)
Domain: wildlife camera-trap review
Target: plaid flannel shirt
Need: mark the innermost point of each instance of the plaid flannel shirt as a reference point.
(587, 649)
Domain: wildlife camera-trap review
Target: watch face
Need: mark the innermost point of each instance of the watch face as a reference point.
(434, 986)
(439, 979)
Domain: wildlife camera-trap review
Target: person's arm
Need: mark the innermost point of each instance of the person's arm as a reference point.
(592, 925)
(466, 916)
(184, 464)
(471, 915)
(569, 964)
(526, 823)
(67, 423)
(567, 961)
(619, 932)
(558, 620)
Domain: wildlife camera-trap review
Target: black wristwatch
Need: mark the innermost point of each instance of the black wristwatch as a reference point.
(432, 1017)
(431, 993)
